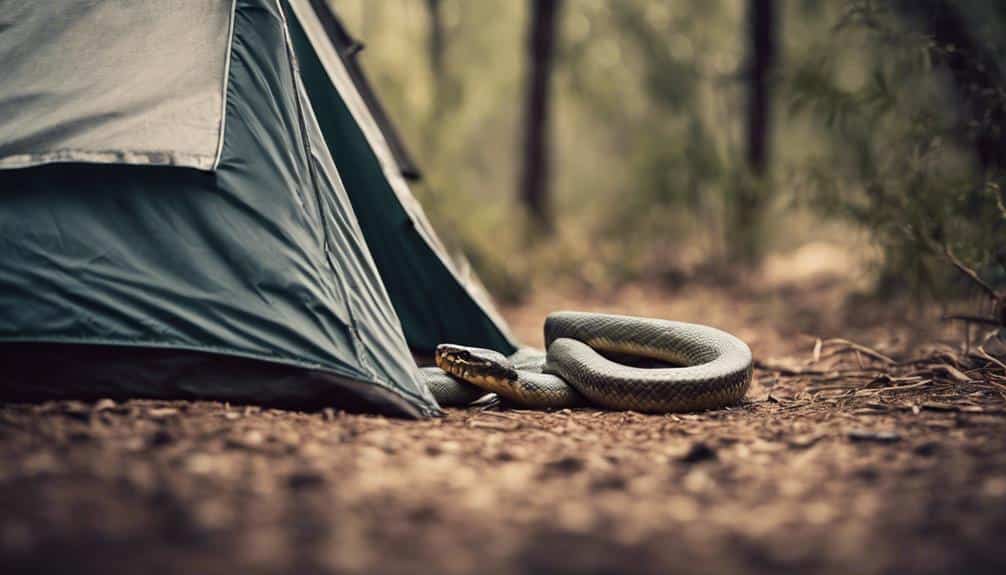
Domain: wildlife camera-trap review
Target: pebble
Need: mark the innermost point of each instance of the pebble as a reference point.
(698, 452)
(863, 435)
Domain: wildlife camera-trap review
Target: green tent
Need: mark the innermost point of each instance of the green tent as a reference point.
(200, 199)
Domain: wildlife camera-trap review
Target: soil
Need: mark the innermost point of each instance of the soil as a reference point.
(839, 461)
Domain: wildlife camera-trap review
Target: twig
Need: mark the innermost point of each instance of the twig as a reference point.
(951, 372)
(819, 375)
(903, 379)
(972, 319)
(836, 376)
(971, 274)
(861, 348)
(877, 390)
(844, 388)
(987, 356)
(783, 370)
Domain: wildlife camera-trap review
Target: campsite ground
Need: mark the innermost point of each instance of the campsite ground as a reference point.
(845, 458)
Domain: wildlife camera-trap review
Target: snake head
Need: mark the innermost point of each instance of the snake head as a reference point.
(467, 363)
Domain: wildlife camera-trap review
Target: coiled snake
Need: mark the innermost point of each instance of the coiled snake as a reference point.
(715, 367)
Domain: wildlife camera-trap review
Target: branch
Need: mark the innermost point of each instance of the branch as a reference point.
(971, 274)
(860, 348)
(972, 319)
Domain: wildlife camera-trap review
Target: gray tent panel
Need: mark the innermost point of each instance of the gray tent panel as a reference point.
(147, 88)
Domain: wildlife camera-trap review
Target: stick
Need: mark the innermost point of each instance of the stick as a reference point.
(970, 273)
(987, 356)
(972, 319)
(783, 370)
(876, 390)
(862, 348)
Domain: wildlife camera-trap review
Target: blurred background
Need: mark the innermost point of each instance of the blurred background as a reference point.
(590, 144)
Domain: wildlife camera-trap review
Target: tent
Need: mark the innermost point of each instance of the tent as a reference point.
(201, 199)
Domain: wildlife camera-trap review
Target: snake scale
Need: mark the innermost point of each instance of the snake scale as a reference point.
(588, 363)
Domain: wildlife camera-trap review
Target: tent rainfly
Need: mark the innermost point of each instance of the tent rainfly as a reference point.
(196, 201)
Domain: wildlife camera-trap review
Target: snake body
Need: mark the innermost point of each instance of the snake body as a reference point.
(715, 367)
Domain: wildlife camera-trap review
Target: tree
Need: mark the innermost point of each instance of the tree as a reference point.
(534, 182)
(750, 192)
(763, 47)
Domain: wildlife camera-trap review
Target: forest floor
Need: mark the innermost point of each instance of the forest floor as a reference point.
(887, 455)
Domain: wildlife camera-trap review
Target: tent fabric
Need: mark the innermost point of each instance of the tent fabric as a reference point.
(435, 300)
(147, 90)
(43, 371)
(260, 259)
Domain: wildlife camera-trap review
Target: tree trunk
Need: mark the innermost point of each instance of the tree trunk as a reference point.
(751, 191)
(762, 38)
(541, 37)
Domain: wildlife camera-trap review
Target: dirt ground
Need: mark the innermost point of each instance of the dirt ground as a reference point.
(844, 458)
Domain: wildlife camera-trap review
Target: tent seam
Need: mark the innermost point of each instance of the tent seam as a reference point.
(295, 73)
(225, 87)
(356, 339)
(410, 205)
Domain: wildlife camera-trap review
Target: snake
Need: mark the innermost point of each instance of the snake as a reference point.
(615, 362)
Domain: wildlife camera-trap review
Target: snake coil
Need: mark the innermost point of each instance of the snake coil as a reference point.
(715, 367)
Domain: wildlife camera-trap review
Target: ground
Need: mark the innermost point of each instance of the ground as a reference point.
(844, 458)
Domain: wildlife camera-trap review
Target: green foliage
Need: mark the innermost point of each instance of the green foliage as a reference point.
(898, 162)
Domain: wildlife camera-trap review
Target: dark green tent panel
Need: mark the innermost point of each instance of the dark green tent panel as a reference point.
(432, 305)
(254, 251)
